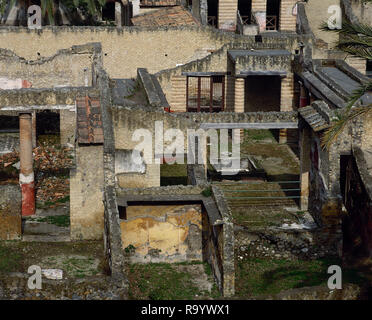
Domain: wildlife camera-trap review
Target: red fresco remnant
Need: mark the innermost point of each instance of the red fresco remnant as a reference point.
(26, 84)
(9, 84)
(28, 199)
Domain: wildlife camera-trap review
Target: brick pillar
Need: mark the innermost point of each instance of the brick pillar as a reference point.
(286, 103)
(177, 99)
(287, 19)
(304, 166)
(239, 99)
(119, 19)
(26, 177)
(227, 13)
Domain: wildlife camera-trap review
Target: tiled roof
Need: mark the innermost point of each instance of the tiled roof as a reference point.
(159, 3)
(89, 120)
(313, 118)
(172, 16)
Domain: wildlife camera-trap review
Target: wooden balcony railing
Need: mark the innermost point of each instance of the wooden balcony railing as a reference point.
(271, 22)
(212, 20)
(246, 19)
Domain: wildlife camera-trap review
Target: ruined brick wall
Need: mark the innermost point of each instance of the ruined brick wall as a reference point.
(164, 233)
(287, 19)
(49, 72)
(357, 224)
(124, 128)
(357, 63)
(259, 5)
(325, 193)
(152, 48)
(227, 14)
(173, 83)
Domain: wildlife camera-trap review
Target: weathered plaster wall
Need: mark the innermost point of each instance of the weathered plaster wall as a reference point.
(363, 11)
(86, 194)
(317, 13)
(48, 72)
(10, 212)
(152, 48)
(170, 233)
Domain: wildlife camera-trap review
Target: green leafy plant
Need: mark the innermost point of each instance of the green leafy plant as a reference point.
(49, 7)
(356, 40)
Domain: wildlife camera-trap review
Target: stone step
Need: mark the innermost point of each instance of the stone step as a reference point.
(43, 228)
(45, 238)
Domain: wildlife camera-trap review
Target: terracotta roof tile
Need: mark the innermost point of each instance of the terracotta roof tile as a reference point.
(172, 16)
(89, 120)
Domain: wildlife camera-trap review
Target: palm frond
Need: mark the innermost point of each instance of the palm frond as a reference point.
(333, 132)
(347, 115)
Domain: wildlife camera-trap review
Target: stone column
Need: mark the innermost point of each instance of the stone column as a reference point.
(119, 14)
(239, 99)
(304, 166)
(34, 129)
(26, 177)
(286, 104)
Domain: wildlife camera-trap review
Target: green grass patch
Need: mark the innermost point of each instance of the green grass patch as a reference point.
(255, 277)
(173, 174)
(165, 281)
(9, 259)
(60, 221)
(258, 135)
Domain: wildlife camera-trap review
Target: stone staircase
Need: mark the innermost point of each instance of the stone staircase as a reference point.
(260, 193)
(40, 228)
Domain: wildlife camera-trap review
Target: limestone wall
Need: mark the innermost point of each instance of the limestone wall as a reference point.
(49, 72)
(317, 13)
(86, 194)
(124, 49)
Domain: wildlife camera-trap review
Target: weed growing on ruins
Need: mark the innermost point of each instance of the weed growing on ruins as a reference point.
(173, 174)
(9, 259)
(162, 281)
(130, 249)
(258, 135)
(60, 221)
(258, 276)
(207, 192)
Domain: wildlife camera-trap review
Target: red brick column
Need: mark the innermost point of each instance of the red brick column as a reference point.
(26, 177)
